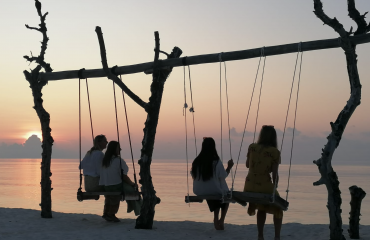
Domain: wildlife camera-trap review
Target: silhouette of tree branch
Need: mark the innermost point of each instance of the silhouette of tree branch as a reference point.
(353, 13)
(113, 77)
(328, 175)
(333, 23)
(43, 30)
(36, 87)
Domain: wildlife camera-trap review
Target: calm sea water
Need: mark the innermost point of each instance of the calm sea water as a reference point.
(20, 188)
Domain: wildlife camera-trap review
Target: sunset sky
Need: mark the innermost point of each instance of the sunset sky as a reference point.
(197, 27)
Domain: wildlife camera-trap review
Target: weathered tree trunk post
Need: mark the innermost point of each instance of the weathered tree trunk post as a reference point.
(160, 74)
(47, 140)
(328, 175)
(357, 194)
(145, 220)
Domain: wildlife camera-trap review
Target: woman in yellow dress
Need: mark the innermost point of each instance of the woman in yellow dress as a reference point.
(263, 158)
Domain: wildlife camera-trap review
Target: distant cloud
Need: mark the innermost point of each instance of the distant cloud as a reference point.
(235, 133)
(306, 148)
(288, 132)
(31, 148)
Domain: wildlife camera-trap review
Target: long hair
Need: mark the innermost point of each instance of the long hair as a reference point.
(97, 140)
(267, 137)
(111, 152)
(202, 167)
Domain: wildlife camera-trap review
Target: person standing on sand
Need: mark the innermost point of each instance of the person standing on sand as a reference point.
(209, 179)
(263, 158)
(91, 164)
(113, 176)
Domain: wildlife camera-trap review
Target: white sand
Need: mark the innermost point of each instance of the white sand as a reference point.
(27, 224)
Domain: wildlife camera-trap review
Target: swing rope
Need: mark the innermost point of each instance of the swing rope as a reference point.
(228, 112)
(88, 100)
(192, 111)
(294, 125)
(220, 60)
(115, 108)
(186, 134)
(120, 161)
(259, 98)
(246, 121)
(227, 108)
(79, 129)
(129, 135)
(286, 120)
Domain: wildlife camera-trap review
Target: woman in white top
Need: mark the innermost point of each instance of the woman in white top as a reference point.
(91, 164)
(209, 179)
(113, 176)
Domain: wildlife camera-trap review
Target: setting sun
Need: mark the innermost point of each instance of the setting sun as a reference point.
(29, 134)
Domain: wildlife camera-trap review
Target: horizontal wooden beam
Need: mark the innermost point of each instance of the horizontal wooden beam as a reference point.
(208, 58)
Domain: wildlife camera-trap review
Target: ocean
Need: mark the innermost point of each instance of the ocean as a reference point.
(20, 188)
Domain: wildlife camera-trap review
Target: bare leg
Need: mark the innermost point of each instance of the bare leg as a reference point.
(216, 223)
(261, 219)
(106, 209)
(223, 215)
(277, 224)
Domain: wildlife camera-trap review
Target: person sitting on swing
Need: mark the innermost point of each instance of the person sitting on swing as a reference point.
(209, 176)
(263, 158)
(91, 164)
(113, 176)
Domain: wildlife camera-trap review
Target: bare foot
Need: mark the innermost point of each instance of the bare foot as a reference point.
(216, 223)
(221, 225)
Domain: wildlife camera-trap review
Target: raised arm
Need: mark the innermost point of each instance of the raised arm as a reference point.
(230, 164)
(275, 174)
(126, 178)
(247, 162)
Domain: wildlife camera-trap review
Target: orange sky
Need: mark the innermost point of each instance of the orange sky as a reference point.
(197, 28)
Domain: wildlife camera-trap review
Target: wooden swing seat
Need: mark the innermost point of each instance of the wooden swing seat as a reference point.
(261, 198)
(242, 198)
(201, 198)
(96, 195)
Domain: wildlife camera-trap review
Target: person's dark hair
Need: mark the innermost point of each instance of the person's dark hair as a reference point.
(111, 152)
(97, 140)
(203, 166)
(267, 137)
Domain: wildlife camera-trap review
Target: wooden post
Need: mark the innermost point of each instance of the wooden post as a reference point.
(357, 194)
(145, 220)
(328, 175)
(47, 140)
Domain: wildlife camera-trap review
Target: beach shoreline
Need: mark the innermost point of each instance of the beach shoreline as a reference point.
(18, 223)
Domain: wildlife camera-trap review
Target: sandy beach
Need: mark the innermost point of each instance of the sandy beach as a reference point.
(27, 224)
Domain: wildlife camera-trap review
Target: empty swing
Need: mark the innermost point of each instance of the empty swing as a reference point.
(95, 195)
(252, 197)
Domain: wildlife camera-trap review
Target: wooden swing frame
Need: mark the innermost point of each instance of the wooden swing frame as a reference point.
(160, 69)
